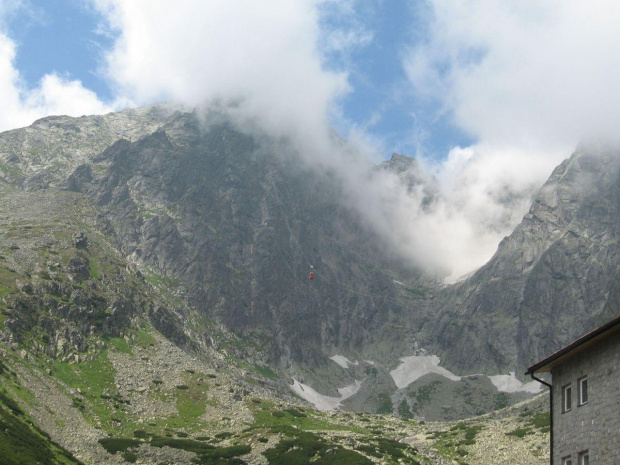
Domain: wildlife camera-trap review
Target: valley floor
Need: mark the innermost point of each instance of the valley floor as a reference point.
(145, 401)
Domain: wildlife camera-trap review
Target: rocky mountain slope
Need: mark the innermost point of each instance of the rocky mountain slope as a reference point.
(238, 223)
(154, 288)
(142, 400)
(86, 378)
(554, 278)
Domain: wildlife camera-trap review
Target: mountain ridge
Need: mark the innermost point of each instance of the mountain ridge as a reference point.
(154, 283)
(227, 224)
(559, 262)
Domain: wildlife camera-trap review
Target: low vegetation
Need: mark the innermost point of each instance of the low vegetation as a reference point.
(21, 442)
(540, 421)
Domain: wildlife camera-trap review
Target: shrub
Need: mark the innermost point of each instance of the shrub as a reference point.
(541, 420)
(207, 454)
(11, 404)
(307, 447)
(296, 413)
(519, 432)
(20, 444)
(184, 444)
(470, 433)
(130, 457)
(391, 447)
(114, 445)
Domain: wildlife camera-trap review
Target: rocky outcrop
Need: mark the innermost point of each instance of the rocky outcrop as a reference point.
(223, 227)
(65, 287)
(237, 225)
(42, 155)
(554, 278)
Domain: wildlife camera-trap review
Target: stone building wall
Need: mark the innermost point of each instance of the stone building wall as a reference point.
(595, 425)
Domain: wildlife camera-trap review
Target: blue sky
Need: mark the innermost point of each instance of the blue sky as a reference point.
(60, 36)
(383, 102)
(65, 37)
(421, 77)
(489, 95)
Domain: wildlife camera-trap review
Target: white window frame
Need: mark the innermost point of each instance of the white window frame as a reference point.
(567, 401)
(581, 390)
(567, 460)
(584, 458)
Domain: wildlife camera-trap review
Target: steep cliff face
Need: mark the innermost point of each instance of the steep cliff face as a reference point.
(64, 288)
(44, 154)
(227, 225)
(237, 224)
(555, 277)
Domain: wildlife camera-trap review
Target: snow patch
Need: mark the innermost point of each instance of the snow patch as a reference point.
(343, 361)
(350, 390)
(415, 367)
(322, 402)
(509, 383)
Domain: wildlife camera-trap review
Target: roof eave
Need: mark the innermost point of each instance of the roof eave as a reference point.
(576, 346)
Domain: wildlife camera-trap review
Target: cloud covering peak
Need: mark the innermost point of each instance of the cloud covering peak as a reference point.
(529, 74)
(524, 80)
(259, 59)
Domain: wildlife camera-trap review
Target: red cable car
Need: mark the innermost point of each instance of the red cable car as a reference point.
(311, 275)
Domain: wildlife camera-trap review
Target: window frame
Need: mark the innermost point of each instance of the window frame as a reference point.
(567, 401)
(568, 460)
(583, 455)
(580, 382)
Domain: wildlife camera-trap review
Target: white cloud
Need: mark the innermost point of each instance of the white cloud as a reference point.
(54, 94)
(262, 61)
(531, 74)
(258, 58)
(58, 96)
(9, 97)
(528, 80)
(343, 29)
(8, 8)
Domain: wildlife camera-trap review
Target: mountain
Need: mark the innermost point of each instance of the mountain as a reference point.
(554, 278)
(154, 281)
(238, 223)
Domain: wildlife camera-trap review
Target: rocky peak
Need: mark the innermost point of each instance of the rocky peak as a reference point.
(400, 163)
(555, 277)
(41, 155)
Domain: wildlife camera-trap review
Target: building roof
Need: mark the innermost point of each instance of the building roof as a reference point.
(572, 349)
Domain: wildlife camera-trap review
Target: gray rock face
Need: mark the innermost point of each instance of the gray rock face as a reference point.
(238, 225)
(58, 297)
(554, 278)
(230, 224)
(45, 153)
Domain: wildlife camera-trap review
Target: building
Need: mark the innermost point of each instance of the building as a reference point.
(585, 398)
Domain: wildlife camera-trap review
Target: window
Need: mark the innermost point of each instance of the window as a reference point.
(567, 461)
(584, 458)
(567, 392)
(583, 390)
